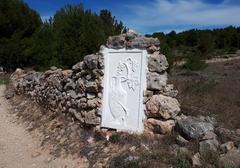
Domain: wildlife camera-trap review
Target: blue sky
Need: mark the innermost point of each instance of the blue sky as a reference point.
(147, 16)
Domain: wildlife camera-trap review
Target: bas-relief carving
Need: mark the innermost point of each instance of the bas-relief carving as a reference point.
(124, 82)
(117, 94)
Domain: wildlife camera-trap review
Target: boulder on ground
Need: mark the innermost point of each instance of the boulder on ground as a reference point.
(208, 147)
(158, 126)
(227, 146)
(230, 159)
(162, 106)
(193, 127)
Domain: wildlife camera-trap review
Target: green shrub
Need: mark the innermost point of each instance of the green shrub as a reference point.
(182, 162)
(195, 63)
(115, 138)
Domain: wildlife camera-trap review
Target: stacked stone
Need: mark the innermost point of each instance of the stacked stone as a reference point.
(161, 107)
(77, 91)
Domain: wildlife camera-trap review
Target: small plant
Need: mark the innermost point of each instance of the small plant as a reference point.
(115, 138)
(4, 79)
(195, 63)
(51, 117)
(182, 162)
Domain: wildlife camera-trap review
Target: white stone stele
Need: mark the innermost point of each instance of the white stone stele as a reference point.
(124, 85)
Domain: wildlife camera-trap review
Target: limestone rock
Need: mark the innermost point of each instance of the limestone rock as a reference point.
(80, 85)
(78, 67)
(161, 127)
(196, 161)
(156, 81)
(227, 146)
(181, 141)
(157, 62)
(93, 103)
(53, 68)
(208, 147)
(9, 93)
(143, 42)
(73, 94)
(67, 73)
(153, 49)
(194, 128)
(91, 118)
(228, 135)
(168, 90)
(91, 87)
(116, 42)
(76, 114)
(162, 106)
(231, 159)
(209, 136)
(91, 61)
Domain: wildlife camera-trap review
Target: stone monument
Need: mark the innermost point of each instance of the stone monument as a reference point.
(123, 86)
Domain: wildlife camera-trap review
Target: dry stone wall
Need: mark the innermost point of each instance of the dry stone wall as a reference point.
(79, 91)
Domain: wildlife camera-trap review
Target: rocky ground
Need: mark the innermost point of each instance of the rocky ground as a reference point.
(19, 149)
(194, 141)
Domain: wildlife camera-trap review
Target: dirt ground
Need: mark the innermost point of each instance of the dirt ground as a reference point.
(19, 149)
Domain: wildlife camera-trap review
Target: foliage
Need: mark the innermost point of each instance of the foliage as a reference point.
(63, 40)
(17, 24)
(182, 162)
(204, 43)
(115, 138)
(195, 63)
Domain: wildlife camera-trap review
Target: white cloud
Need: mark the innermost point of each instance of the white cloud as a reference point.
(177, 13)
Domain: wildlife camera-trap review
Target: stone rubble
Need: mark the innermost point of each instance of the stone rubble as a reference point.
(79, 90)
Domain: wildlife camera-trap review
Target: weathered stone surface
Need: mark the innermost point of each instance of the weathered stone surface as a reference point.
(156, 81)
(209, 136)
(79, 90)
(67, 73)
(17, 74)
(153, 49)
(116, 42)
(78, 67)
(93, 103)
(169, 90)
(157, 62)
(53, 68)
(91, 61)
(158, 126)
(227, 146)
(228, 135)
(91, 87)
(194, 128)
(91, 95)
(181, 141)
(77, 114)
(208, 147)
(231, 159)
(9, 94)
(196, 160)
(91, 118)
(162, 106)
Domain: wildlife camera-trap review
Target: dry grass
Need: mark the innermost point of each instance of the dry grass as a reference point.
(215, 91)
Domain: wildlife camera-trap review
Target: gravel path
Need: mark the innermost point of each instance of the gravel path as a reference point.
(19, 149)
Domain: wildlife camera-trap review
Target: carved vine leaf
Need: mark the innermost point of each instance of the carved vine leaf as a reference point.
(129, 66)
